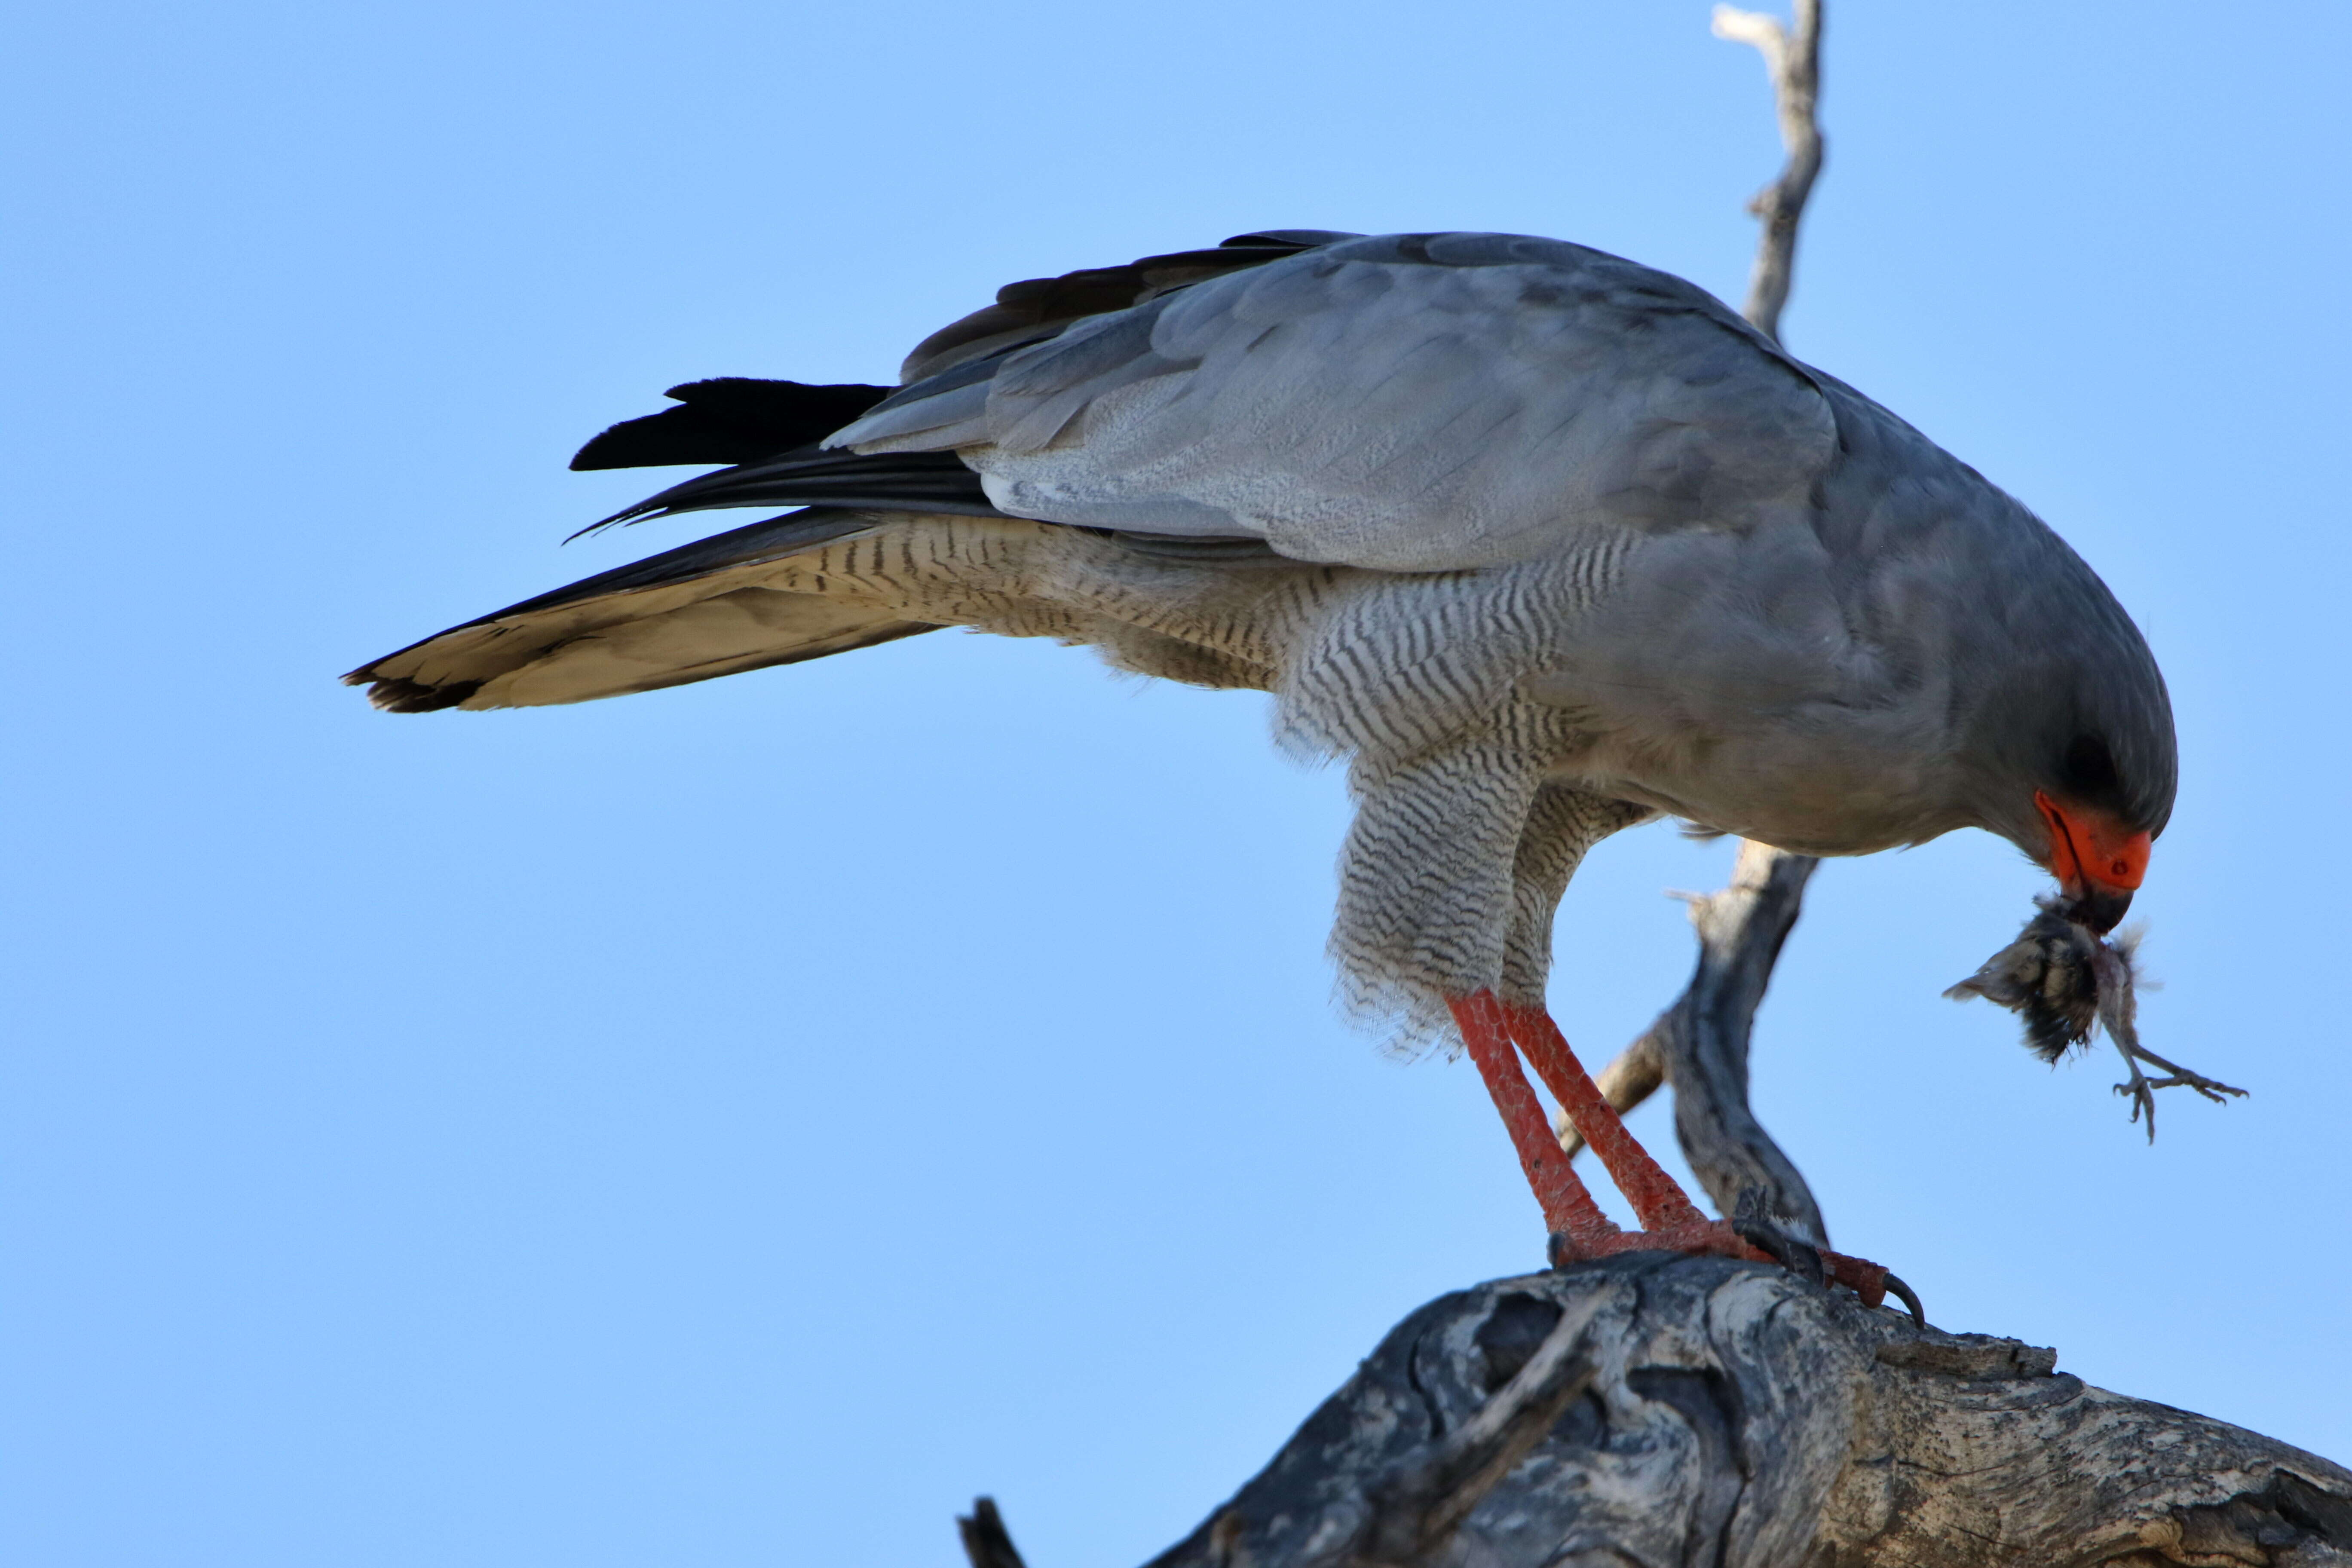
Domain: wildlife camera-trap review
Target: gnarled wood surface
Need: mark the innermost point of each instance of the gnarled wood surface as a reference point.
(1668, 1411)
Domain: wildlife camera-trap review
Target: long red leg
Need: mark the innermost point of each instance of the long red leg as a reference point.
(1568, 1208)
(1579, 1230)
(1666, 1210)
(1656, 1197)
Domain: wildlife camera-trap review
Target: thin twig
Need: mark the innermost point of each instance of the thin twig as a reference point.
(985, 1540)
(1792, 59)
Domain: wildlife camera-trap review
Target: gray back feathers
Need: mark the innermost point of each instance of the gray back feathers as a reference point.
(1411, 404)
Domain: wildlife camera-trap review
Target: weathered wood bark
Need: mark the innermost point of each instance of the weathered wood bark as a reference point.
(1662, 1410)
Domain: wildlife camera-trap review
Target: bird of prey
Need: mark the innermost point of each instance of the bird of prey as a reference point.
(1544, 543)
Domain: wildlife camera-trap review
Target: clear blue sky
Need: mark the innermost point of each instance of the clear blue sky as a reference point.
(736, 1125)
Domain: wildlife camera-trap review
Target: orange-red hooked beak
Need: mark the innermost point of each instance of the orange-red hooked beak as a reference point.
(2095, 861)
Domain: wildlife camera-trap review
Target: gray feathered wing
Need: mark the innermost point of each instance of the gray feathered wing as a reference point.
(1406, 402)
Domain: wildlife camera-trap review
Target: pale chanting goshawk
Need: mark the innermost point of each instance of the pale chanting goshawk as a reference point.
(1543, 543)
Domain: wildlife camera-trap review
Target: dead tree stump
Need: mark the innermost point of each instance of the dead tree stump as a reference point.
(1660, 1410)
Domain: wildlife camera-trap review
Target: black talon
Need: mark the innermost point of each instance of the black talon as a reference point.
(1908, 1296)
(1767, 1239)
(1799, 1258)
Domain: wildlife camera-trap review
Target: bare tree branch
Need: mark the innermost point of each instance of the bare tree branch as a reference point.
(1792, 58)
(1700, 1410)
(986, 1542)
(1700, 1043)
(1417, 1503)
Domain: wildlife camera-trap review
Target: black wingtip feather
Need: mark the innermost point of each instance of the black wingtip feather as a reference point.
(412, 696)
(1037, 308)
(729, 419)
(1293, 238)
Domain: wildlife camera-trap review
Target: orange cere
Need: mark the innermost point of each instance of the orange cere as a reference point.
(2090, 848)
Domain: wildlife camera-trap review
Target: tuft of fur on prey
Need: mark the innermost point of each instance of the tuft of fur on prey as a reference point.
(2051, 977)
(2063, 980)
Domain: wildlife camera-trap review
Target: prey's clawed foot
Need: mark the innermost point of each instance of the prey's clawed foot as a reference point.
(2140, 1088)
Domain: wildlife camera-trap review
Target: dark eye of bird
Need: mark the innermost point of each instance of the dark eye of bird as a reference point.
(2089, 769)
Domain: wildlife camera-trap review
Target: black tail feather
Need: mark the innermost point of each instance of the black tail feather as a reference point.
(886, 481)
(769, 429)
(731, 419)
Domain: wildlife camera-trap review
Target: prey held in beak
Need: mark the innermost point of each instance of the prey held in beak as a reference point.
(2063, 978)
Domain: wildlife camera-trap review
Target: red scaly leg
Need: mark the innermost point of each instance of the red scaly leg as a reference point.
(1578, 1229)
(1656, 1199)
(1569, 1210)
(1666, 1213)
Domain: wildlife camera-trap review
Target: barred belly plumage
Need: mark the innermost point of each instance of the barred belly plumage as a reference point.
(1468, 824)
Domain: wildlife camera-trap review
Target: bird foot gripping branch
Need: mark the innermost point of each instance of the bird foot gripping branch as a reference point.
(1496, 1034)
(2063, 979)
